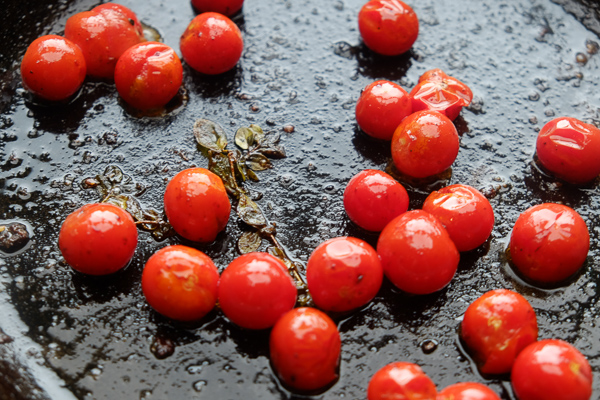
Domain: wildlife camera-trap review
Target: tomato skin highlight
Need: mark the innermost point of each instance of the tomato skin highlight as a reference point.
(148, 75)
(98, 239)
(197, 205)
(388, 27)
(305, 349)
(437, 91)
(496, 328)
(373, 198)
(343, 273)
(381, 108)
(549, 243)
(467, 391)
(552, 369)
(225, 7)
(401, 380)
(212, 44)
(180, 283)
(426, 143)
(256, 290)
(465, 213)
(568, 149)
(417, 253)
(53, 68)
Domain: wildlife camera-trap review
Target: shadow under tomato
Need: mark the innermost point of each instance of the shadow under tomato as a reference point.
(375, 66)
(213, 86)
(375, 150)
(103, 289)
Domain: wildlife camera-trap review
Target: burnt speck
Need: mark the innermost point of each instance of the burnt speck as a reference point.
(428, 346)
(581, 58)
(162, 347)
(344, 49)
(289, 128)
(254, 108)
(4, 338)
(13, 237)
(591, 47)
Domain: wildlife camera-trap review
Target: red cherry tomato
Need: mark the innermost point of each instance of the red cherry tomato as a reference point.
(98, 239)
(496, 327)
(148, 75)
(381, 107)
(549, 243)
(373, 198)
(343, 273)
(569, 148)
(197, 205)
(388, 27)
(225, 7)
(417, 253)
(305, 349)
(552, 370)
(180, 283)
(103, 34)
(53, 68)
(211, 44)
(439, 92)
(133, 19)
(465, 212)
(424, 144)
(401, 380)
(256, 290)
(467, 391)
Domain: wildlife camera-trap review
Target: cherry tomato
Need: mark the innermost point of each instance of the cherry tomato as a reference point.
(568, 149)
(401, 380)
(305, 349)
(343, 273)
(496, 327)
(388, 27)
(98, 239)
(424, 144)
(103, 34)
(133, 19)
(549, 243)
(211, 44)
(256, 290)
(439, 92)
(53, 68)
(373, 198)
(180, 283)
(467, 391)
(381, 107)
(417, 253)
(552, 370)
(465, 213)
(225, 7)
(148, 75)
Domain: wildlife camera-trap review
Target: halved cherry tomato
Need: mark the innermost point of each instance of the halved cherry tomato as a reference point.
(549, 243)
(439, 92)
(467, 391)
(401, 380)
(225, 7)
(98, 239)
(305, 349)
(373, 198)
(569, 149)
(388, 27)
(496, 327)
(53, 68)
(552, 369)
(381, 107)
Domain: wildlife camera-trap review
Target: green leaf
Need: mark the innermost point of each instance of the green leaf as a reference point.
(250, 213)
(259, 135)
(273, 151)
(277, 252)
(244, 138)
(209, 134)
(249, 242)
(252, 175)
(219, 164)
(258, 162)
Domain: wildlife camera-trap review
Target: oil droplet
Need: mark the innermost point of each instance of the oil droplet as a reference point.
(428, 346)
(198, 386)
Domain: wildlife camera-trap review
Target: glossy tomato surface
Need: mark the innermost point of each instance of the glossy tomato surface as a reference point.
(381, 107)
(305, 349)
(467, 391)
(465, 213)
(197, 204)
(424, 144)
(568, 149)
(549, 243)
(437, 91)
(180, 282)
(148, 75)
(53, 68)
(256, 290)
(552, 369)
(98, 239)
(496, 327)
(373, 198)
(343, 273)
(417, 253)
(211, 44)
(388, 27)
(401, 380)
(225, 7)
(133, 19)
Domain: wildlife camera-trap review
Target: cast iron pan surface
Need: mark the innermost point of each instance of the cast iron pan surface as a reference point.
(304, 65)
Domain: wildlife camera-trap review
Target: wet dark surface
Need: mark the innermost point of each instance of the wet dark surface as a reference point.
(526, 61)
